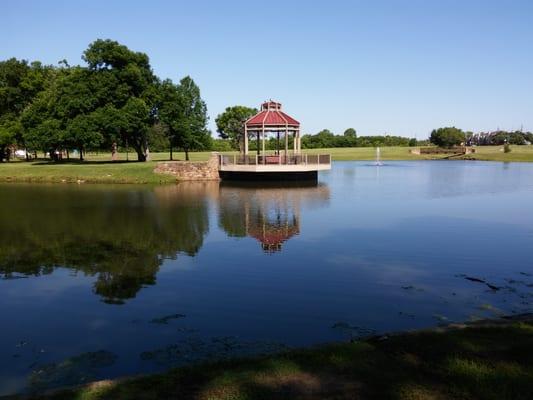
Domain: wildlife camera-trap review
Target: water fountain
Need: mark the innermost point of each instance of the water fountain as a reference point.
(378, 157)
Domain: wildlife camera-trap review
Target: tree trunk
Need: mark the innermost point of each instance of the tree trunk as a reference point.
(81, 154)
(114, 152)
(186, 154)
(68, 155)
(171, 152)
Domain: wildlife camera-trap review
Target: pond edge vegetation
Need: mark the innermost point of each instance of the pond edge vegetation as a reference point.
(490, 359)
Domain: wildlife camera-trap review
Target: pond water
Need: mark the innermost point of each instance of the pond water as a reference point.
(104, 281)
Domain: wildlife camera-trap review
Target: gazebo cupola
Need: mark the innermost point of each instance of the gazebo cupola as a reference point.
(272, 120)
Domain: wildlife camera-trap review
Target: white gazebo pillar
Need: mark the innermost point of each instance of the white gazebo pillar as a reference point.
(264, 134)
(245, 140)
(286, 144)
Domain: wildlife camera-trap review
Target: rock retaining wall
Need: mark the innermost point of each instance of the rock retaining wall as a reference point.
(190, 171)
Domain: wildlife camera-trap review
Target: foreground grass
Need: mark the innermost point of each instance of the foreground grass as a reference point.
(480, 361)
(99, 169)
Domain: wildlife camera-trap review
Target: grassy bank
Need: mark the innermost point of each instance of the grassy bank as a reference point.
(86, 172)
(99, 169)
(484, 360)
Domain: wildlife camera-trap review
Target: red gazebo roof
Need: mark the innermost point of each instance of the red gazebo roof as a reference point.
(271, 116)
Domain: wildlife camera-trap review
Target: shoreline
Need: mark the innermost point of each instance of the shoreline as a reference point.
(98, 170)
(489, 358)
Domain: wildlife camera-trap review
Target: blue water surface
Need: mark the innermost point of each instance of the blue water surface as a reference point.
(104, 281)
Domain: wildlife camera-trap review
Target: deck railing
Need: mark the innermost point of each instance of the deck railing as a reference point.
(275, 159)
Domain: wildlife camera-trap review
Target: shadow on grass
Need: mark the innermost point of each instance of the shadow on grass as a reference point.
(488, 362)
(85, 162)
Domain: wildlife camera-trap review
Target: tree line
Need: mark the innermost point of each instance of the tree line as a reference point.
(349, 138)
(113, 101)
(230, 126)
(452, 136)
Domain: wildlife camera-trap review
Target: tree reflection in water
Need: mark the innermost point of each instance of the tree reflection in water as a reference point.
(120, 235)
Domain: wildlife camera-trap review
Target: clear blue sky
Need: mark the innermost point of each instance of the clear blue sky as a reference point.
(398, 67)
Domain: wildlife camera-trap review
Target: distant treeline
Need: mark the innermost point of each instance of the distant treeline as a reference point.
(451, 136)
(230, 126)
(498, 138)
(326, 138)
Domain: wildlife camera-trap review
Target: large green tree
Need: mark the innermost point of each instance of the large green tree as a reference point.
(192, 126)
(169, 112)
(447, 137)
(230, 124)
(20, 83)
(128, 77)
(184, 114)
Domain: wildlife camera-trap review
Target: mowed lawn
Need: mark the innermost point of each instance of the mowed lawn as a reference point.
(488, 153)
(87, 172)
(98, 167)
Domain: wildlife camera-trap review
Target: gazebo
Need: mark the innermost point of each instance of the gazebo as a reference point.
(272, 120)
(282, 164)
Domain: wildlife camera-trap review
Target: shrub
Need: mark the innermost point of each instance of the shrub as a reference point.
(447, 137)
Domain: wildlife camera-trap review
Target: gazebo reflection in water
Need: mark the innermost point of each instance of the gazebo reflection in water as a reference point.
(269, 213)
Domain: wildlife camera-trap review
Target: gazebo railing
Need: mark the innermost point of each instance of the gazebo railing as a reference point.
(275, 159)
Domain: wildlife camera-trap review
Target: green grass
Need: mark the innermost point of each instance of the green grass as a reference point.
(495, 153)
(99, 169)
(91, 172)
(482, 361)
(487, 153)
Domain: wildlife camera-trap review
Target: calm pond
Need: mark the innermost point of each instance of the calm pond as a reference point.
(104, 281)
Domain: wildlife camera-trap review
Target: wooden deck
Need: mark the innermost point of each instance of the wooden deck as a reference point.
(275, 163)
(302, 167)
